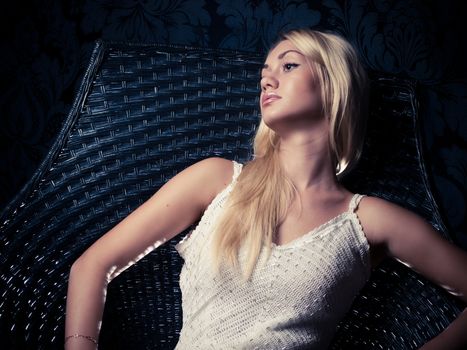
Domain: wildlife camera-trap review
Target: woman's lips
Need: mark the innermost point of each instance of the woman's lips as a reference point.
(269, 97)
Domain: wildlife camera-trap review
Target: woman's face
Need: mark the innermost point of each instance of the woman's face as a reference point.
(290, 94)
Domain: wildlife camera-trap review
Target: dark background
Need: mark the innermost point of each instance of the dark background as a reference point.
(46, 45)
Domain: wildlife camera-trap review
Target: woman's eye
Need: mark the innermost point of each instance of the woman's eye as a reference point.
(290, 66)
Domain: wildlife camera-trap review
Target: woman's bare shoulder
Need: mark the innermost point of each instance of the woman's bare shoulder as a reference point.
(218, 165)
(382, 219)
(214, 174)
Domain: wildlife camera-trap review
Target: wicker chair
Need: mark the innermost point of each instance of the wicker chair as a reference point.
(143, 113)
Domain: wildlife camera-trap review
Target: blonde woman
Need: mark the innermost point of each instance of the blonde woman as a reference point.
(282, 247)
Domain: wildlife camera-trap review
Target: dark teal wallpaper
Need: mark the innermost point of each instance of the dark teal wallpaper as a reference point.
(46, 44)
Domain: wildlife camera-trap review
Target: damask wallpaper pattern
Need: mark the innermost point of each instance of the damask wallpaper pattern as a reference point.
(46, 45)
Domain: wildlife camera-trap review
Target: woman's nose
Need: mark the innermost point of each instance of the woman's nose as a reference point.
(268, 82)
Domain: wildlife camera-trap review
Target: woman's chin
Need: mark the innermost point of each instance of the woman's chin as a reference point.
(289, 122)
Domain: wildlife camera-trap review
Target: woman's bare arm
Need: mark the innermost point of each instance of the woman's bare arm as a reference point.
(178, 204)
(410, 239)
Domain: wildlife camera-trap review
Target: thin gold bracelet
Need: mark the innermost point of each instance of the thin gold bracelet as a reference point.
(81, 336)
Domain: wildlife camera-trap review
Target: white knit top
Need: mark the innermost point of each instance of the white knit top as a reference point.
(294, 299)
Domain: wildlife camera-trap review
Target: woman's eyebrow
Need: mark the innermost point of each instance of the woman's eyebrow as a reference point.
(281, 56)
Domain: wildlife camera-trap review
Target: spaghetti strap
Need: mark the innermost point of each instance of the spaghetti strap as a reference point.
(355, 201)
(237, 167)
(208, 217)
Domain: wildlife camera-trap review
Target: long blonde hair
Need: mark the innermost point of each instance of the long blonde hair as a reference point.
(263, 193)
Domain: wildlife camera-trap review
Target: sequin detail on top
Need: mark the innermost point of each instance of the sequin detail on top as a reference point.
(294, 299)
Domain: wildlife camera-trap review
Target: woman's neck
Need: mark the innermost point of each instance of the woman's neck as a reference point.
(306, 159)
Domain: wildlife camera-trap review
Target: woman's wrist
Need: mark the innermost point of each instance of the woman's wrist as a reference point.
(82, 336)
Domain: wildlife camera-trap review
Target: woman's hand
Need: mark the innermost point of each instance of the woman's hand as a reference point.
(178, 204)
(453, 337)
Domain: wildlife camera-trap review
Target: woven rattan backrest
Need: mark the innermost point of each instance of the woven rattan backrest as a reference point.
(143, 113)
